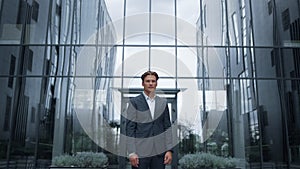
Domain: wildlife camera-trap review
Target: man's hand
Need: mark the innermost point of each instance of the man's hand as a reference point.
(134, 160)
(168, 157)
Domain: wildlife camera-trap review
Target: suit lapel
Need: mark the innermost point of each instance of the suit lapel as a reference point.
(159, 106)
(145, 104)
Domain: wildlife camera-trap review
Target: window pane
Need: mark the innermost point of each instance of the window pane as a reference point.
(163, 60)
(162, 29)
(137, 29)
(187, 62)
(136, 61)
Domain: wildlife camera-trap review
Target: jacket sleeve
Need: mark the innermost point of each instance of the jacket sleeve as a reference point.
(131, 127)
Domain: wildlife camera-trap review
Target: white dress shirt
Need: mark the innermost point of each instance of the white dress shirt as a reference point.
(151, 104)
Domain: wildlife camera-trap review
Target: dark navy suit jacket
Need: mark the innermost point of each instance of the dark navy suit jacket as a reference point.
(148, 136)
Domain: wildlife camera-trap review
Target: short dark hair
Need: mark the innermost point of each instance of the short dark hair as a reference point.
(149, 73)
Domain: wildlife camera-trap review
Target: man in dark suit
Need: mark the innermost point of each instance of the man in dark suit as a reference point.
(148, 127)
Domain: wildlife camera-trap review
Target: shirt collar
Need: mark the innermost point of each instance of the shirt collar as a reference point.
(147, 97)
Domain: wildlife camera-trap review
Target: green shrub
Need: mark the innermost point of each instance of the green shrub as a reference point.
(81, 159)
(206, 160)
(231, 162)
(64, 161)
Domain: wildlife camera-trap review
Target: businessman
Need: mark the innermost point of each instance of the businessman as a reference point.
(148, 127)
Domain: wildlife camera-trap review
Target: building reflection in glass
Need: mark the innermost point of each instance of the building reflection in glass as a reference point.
(63, 61)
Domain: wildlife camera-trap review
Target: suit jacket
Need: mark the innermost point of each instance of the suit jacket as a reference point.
(148, 136)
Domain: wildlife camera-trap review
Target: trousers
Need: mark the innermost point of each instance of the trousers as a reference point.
(154, 162)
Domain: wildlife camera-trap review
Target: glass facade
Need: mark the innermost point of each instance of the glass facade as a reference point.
(229, 69)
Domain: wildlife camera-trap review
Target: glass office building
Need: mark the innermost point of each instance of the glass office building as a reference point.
(229, 70)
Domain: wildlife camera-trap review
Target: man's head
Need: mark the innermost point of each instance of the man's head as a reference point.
(149, 73)
(149, 81)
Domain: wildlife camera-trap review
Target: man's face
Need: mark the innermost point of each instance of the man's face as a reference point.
(149, 83)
